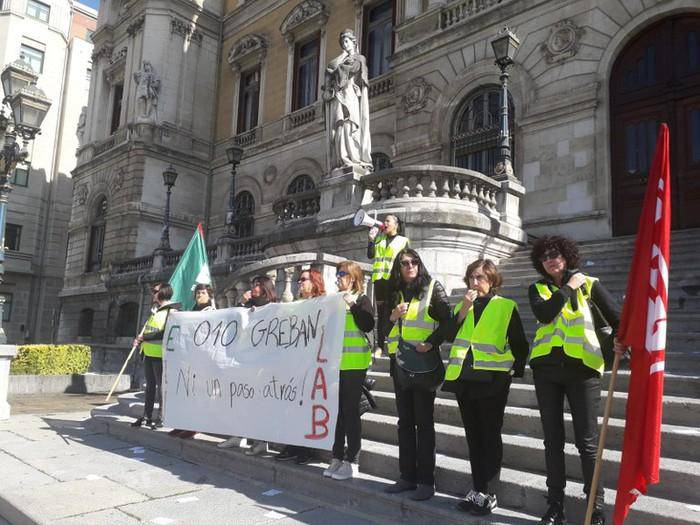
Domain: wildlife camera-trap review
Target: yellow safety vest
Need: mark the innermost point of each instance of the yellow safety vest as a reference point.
(571, 330)
(357, 354)
(384, 255)
(417, 324)
(155, 323)
(487, 340)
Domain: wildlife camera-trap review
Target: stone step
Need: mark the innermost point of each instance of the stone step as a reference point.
(676, 410)
(679, 442)
(674, 385)
(363, 495)
(525, 490)
(679, 478)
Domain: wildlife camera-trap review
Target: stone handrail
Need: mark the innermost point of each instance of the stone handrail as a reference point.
(247, 138)
(297, 206)
(421, 182)
(380, 85)
(172, 258)
(237, 249)
(301, 116)
(460, 10)
(139, 264)
(118, 137)
(284, 271)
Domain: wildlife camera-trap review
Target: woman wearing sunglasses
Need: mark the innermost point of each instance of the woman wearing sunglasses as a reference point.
(356, 358)
(420, 316)
(567, 361)
(311, 285)
(261, 292)
(489, 348)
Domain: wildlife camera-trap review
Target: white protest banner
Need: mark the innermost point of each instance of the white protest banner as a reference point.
(269, 374)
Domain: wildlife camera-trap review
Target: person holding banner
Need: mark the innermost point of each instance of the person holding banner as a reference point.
(203, 301)
(420, 317)
(489, 349)
(355, 360)
(383, 248)
(151, 341)
(567, 361)
(311, 285)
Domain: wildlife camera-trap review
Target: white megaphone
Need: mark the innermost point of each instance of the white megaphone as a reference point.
(362, 218)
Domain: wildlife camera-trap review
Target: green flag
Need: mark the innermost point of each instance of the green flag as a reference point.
(193, 269)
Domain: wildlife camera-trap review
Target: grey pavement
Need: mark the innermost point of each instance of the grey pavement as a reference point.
(56, 470)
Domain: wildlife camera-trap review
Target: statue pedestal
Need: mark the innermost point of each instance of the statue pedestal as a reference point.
(7, 352)
(342, 193)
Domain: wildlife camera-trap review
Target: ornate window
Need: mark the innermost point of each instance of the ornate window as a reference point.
(306, 56)
(127, 319)
(378, 41)
(247, 60)
(13, 234)
(300, 184)
(34, 57)
(85, 320)
(243, 220)
(117, 95)
(97, 236)
(248, 100)
(380, 161)
(476, 131)
(302, 200)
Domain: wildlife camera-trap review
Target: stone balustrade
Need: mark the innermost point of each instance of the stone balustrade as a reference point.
(139, 264)
(426, 182)
(284, 270)
(297, 206)
(118, 137)
(380, 85)
(301, 117)
(461, 10)
(246, 139)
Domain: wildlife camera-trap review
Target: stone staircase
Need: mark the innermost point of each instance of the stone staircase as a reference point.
(522, 490)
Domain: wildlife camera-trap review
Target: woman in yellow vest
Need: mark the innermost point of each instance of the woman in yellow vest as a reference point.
(567, 361)
(356, 358)
(383, 248)
(489, 348)
(420, 316)
(151, 346)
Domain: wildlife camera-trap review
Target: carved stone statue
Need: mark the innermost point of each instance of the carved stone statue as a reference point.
(80, 128)
(148, 86)
(347, 106)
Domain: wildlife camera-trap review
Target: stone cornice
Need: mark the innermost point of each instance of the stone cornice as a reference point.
(248, 50)
(312, 13)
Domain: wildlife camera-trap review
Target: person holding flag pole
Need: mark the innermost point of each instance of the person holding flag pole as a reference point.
(643, 329)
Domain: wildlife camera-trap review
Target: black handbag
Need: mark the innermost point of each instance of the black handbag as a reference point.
(367, 401)
(418, 370)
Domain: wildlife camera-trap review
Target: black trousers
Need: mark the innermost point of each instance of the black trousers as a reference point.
(382, 299)
(416, 433)
(483, 421)
(583, 395)
(153, 370)
(349, 424)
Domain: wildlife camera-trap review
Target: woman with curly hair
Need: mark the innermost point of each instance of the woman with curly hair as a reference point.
(567, 361)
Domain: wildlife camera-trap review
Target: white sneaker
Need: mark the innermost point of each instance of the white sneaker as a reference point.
(231, 442)
(332, 468)
(346, 471)
(259, 447)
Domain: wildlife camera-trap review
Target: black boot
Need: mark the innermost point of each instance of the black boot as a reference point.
(137, 423)
(598, 517)
(554, 515)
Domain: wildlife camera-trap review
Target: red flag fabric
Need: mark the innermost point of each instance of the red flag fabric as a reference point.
(643, 328)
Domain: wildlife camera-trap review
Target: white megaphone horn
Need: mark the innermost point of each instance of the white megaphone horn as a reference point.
(362, 218)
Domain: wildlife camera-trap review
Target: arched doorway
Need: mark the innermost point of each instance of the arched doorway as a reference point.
(656, 79)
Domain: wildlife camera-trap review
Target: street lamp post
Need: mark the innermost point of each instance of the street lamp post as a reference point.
(169, 178)
(234, 155)
(504, 47)
(29, 106)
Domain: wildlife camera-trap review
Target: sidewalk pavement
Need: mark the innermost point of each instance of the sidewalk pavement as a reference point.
(56, 470)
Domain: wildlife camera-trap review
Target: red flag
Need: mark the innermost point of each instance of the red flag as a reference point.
(643, 328)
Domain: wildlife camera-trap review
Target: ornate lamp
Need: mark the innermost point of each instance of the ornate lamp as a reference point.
(234, 154)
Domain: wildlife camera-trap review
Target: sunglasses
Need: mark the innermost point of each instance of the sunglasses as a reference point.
(549, 256)
(303, 280)
(409, 262)
(341, 274)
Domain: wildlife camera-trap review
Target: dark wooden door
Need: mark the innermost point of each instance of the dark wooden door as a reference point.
(657, 79)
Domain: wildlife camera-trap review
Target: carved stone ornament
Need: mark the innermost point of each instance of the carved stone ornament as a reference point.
(117, 181)
(118, 56)
(249, 48)
(270, 174)
(186, 30)
(103, 52)
(135, 26)
(563, 42)
(416, 96)
(309, 11)
(81, 194)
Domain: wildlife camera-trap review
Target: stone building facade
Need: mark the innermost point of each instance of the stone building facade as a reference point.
(54, 37)
(590, 82)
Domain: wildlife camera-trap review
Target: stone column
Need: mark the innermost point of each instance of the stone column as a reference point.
(7, 352)
(342, 193)
(509, 199)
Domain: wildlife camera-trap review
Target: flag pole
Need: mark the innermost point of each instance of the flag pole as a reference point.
(121, 372)
(601, 441)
